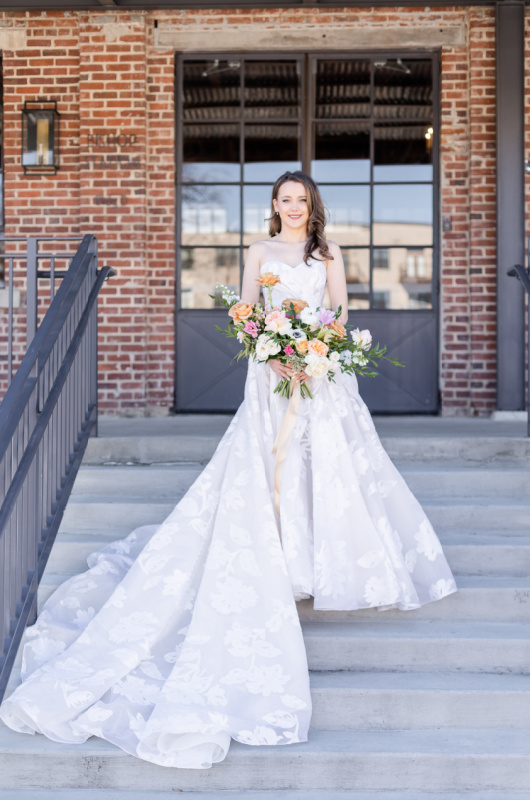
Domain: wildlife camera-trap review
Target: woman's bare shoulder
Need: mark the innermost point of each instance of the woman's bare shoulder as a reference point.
(257, 250)
(333, 248)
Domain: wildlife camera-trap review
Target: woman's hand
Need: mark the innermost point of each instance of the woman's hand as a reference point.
(286, 371)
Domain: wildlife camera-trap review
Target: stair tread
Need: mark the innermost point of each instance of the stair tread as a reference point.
(436, 629)
(401, 681)
(467, 582)
(459, 742)
(245, 794)
(491, 538)
(419, 681)
(410, 467)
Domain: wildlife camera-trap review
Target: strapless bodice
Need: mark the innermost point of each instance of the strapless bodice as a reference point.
(305, 281)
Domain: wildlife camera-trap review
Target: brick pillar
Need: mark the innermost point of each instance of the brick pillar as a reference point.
(455, 311)
(482, 210)
(161, 225)
(113, 126)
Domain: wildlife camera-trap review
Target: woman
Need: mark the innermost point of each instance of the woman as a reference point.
(186, 635)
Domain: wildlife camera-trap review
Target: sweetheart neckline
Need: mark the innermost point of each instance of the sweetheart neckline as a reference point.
(279, 261)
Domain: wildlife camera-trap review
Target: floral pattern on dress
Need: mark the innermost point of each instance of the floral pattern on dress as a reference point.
(185, 635)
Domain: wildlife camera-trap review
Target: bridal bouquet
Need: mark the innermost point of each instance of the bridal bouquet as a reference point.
(309, 339)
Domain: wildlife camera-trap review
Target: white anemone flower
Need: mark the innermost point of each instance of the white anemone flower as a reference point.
(362, 338)
(309, 316)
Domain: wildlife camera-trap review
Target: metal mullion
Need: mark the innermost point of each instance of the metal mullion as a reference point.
(372, 157)
(435, 277)
(241, 168)
(179, 163)
(306, 109)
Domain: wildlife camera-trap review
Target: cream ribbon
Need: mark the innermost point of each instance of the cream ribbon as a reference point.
(283, 438)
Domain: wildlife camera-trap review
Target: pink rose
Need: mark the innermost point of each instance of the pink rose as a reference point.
(252, 328)
(288, 350)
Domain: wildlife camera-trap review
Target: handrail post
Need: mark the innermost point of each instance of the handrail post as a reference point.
(94, 348)
(46, 418)
(523, 275)
(32, 267)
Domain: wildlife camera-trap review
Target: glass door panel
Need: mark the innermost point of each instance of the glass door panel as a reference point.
(341, 152)
(342, 89)
(270, 150)
(403, 214)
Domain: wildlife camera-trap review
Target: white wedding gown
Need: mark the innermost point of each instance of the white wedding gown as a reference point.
(185, 635)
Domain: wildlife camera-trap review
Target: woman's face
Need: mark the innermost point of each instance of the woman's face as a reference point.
(292, 205)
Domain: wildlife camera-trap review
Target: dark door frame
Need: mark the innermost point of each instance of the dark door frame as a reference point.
(307, 101)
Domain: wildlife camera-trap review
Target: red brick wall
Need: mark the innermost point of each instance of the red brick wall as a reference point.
(109, 78)
(468, 196)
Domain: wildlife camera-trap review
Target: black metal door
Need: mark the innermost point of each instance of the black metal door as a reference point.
(365, 128)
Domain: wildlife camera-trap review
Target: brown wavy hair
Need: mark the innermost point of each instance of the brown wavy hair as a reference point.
(317, 215)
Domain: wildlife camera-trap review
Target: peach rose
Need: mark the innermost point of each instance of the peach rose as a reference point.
(338, 327)
(240, 311)
(269, 279)
(317, 348)
(301, 346)
(297, 303)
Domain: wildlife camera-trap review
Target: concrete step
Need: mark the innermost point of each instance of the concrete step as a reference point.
(195, 439)
(414, 646)
(411, 701)
(480, 598)
(482, 647)
(442, 760)
(497, 555)
(103, 513)
(397, 701)
(455, 479)
(289, 794)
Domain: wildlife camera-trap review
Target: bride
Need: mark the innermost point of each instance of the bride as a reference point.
(185, 634)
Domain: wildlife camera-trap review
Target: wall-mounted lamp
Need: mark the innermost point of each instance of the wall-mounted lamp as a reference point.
(40, 137)
(429, 133)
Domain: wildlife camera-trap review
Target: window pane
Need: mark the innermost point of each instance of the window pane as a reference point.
(402, 214)
(256, 211)
(210, 214)
(201, 269)
(211, 90)
(272, 90)
(403, 90)
(211, 153)
(348, 209)
(342, 152)
(270, 150)
(407, 281)
(357, 265)
(403, 152)
(343, 89)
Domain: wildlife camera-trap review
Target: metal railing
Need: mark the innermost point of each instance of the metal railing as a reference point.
(46, 419)
(519, 272)
(35, 258)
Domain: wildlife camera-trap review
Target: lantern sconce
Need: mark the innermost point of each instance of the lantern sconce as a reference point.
(40, 137)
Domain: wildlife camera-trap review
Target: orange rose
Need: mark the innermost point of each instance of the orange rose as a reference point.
(301, 346)
(240, 311)
(297, 303)
(269, 279)
(338, 327)
(318, 348)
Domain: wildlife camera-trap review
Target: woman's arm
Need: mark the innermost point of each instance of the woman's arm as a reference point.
(338, 292)
(250, 290)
